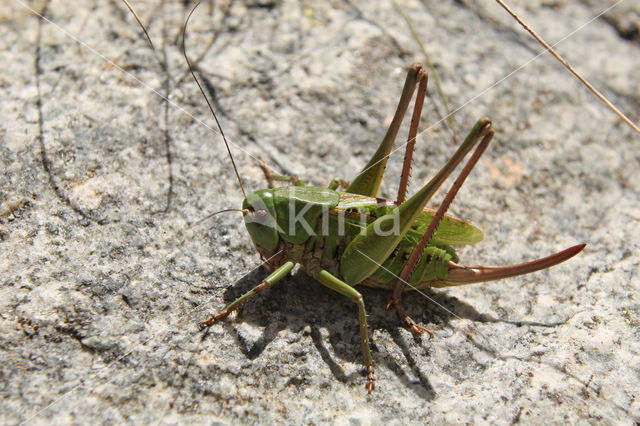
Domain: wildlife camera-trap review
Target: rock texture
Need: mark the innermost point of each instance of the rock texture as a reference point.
(109, 157)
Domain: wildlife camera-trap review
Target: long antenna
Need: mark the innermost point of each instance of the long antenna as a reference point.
(184, 51)
(567, 66)
(135, 15)
(209, 216)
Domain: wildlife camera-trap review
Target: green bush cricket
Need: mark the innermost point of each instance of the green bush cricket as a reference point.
(344, 239)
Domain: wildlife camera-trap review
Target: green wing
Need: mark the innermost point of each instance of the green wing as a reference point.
(450, 231)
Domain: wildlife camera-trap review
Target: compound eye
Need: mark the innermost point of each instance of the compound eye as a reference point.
(262, 217)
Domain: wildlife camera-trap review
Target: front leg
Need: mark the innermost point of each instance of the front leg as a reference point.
(275, 276)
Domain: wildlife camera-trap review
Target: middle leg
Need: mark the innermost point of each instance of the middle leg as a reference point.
(345, 289)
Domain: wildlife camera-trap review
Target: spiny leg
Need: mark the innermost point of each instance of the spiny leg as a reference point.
(417, 252)
(275, 276)
(411, 141)
(345, 289)
(368, 181)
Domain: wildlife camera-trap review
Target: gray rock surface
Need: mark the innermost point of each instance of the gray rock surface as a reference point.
(107, 158)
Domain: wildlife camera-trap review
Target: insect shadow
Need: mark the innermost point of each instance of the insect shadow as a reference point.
(305, 307)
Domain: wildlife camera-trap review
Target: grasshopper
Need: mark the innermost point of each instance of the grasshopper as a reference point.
(344, 239)
(350, 238)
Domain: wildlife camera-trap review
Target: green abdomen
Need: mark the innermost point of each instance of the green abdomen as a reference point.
(352, 215)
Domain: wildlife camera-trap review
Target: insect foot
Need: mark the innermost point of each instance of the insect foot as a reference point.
(213, 319)
(371, 381)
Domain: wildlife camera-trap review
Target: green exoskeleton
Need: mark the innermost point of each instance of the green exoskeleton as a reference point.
(344, 239)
